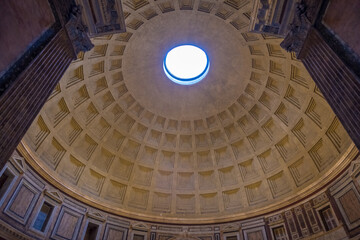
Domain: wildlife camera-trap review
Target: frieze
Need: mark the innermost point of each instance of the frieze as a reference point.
(271, 17)
(103, 17)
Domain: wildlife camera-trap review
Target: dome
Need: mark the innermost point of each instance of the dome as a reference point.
(254, 135)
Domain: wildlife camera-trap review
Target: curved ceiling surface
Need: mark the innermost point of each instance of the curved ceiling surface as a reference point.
(254, 135)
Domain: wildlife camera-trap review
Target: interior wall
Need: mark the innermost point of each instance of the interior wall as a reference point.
(330, 214)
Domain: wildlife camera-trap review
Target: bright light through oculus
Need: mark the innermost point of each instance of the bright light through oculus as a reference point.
(186, 64)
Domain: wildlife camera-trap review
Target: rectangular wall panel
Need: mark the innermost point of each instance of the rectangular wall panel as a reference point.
(67, 225)
(256, 233)
(348, 201)
(22, 202)
(113, 232)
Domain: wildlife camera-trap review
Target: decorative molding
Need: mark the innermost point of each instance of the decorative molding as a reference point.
(230, 228)
(10, 233)
(275, 219)
(18, 162)
(354, 168)
(139, 226)
(54, 195)
(96, 215)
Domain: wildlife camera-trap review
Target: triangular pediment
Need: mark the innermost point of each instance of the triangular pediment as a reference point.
(230, 228)
(54, 195)
(18, 162)
(139, 226)
(95, 215)
(354, 167)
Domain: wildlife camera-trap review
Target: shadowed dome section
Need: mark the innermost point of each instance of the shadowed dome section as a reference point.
(186, 64)
(256, 136)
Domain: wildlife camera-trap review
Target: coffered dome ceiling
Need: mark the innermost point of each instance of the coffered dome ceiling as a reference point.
(254, 135)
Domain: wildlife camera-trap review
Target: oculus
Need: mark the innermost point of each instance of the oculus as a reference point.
(186, 64)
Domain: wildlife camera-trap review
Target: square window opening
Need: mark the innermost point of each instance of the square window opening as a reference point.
(328, 218)
(5, 181)
(91, 231)
(279, 233)
(43, 217)
(138, 237)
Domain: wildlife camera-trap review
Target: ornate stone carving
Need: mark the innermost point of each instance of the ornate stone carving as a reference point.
(103, 17)
(299, 28)
(77, 32)
(111, 13)
(271, 17)
(261, 22)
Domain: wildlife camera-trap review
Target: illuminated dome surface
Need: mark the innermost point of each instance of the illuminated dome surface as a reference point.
(186, 64)
(254, 136)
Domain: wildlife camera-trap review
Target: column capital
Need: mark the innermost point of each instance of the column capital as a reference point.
(77, 32)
